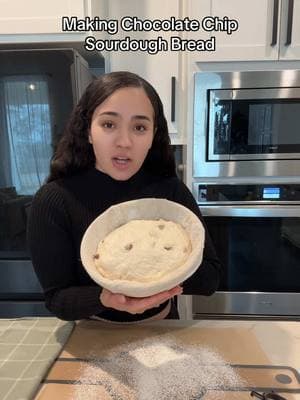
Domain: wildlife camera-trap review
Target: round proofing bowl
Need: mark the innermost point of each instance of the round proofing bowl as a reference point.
(146, 209)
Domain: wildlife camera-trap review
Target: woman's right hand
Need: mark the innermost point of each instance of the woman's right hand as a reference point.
(136, 305)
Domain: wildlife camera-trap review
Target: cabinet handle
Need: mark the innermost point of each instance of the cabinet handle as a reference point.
(173, 96)
(290, 23)
(275, 22)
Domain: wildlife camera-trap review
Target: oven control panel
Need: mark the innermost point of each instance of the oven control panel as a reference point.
(247, 194)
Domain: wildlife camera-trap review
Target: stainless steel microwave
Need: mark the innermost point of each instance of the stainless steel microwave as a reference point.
(247, 124)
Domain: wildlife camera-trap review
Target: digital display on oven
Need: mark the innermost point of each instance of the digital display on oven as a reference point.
(271, 193)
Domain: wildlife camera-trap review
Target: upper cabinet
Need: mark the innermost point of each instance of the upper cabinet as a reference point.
(160, 69)
(290, 30)
(267, 29)
(35, 16)
(32, 17)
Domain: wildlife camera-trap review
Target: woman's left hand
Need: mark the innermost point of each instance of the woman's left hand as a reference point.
(136, 305)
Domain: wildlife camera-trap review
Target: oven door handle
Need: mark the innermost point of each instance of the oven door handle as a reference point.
(279, 211)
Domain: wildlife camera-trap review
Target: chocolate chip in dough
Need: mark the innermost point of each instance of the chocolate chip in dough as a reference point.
(128, 246)
(168, 247)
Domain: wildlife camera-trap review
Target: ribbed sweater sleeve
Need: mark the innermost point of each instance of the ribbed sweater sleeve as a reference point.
(54, 258)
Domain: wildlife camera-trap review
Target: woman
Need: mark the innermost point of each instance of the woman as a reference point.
(115, 148)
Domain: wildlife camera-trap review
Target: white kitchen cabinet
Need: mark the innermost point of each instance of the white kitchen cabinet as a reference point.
(252, 39)
(36, 17)
(290, 30)
(261, 33)
(160, 69)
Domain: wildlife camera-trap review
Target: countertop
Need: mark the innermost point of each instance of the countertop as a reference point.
(259, 355)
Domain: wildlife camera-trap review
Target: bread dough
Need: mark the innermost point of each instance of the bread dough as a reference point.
(147, 209)
(143, 250)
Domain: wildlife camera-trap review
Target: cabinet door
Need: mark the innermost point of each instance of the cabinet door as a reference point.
(158, 68)
(35, 16)
(251, 41)
(290, 30)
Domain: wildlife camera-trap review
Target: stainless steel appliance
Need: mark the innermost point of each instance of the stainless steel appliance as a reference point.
(246, 168)
(38, 89)
(256, 232)
(247, 122)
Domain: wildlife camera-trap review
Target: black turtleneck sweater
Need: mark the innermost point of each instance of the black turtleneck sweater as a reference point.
(61, 212)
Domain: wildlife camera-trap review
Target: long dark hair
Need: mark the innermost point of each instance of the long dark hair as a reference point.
(74, 153)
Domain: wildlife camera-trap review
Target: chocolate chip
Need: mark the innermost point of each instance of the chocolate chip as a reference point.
(96, 256)
(168, 247)
(129, 246)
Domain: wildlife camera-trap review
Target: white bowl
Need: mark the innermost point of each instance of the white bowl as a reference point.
(147, 209)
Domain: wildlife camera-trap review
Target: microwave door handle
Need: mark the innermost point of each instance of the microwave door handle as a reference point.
(289, 23)
(275, 22)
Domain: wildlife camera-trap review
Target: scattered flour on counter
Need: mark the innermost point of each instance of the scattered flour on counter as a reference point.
(159, 368)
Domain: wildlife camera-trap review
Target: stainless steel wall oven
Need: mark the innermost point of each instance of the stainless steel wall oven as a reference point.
(246, 169)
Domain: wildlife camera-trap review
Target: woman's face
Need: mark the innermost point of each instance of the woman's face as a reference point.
(122, 130)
